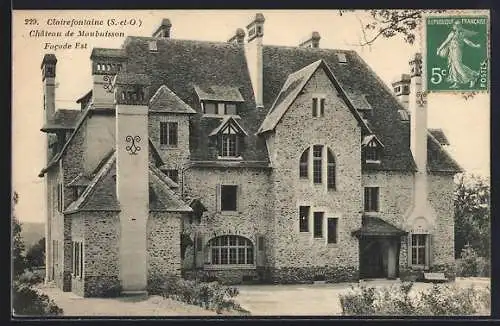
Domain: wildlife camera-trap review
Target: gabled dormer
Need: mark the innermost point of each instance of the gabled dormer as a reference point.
(361, 104)
(371, 148)
(230, 139)
(216, 100)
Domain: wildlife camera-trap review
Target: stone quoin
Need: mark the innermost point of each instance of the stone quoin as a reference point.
(241, 161)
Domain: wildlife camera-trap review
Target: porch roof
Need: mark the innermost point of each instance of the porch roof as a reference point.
(375, 226)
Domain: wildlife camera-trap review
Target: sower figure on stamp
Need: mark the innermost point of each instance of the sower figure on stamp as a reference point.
(451, 48)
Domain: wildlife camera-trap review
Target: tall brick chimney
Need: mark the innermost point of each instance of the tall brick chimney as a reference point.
(238, 37)
(132, 181)
(48, 68)
(49, 85)
(164, 29)
(401, 88)
(312, 41)
(253, 53)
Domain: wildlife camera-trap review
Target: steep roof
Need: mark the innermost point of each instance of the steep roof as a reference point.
(291, 89)
(181, 65)
(375, 226)
(355, 77)
(63, 119)
(438, 159)
(100, 194)
(219, 93)
(439, 135)
(164, 100)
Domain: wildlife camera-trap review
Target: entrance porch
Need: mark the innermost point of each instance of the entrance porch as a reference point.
(379, 248)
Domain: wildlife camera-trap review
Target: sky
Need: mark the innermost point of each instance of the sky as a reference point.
(465, 122)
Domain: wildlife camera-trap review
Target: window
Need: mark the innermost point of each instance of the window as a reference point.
(77, 267)
(318, 161)
(231, 250)
(318, 224)
(317, 158)
(406, 89)
(60, 203)
(330, 173)
(168, 133)
(210, 108)
(304, 218)
(230, 109)
(371, 152)
(318, 107)
(229, 197)
(371, 199)
(332, 230)
(303, 165)
(173, 175)
(229, 145)
(418, 249)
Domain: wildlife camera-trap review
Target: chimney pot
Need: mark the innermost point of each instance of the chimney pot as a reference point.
(239, 37)
(256, 27)
(164, 29)
(312, 41)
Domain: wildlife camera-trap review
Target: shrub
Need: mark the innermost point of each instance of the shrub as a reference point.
(397, 300)
(470, 264)
(212, 296)
(31, 278)
(29, 302)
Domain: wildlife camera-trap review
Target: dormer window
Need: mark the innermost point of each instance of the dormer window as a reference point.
(153, 46)
(229, 145)
(371, 149)
(221, 108)
(230, 138)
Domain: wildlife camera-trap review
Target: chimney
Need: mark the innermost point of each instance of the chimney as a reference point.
(418, 133)
(238, 37)
(164, 29)
(311, 42)
(253, 53)
(401, 87)
(106, 63)
(49, 85)
(132, 176)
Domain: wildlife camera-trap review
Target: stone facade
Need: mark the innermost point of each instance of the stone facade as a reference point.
(339, 131)
(164, 249)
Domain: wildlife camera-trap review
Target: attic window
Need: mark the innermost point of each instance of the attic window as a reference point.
(371, 149)
(341, 57)
(153, 46)
(220, 108)
(404, 115)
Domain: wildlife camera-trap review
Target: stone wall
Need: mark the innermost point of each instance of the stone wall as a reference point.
(252, 217)
(78, 234)
(101, 252)
(173, 157)
(57, 226)
(164, 249)
(441, 193)
(298, 130)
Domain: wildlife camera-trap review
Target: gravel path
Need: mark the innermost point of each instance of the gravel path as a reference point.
(144, 305)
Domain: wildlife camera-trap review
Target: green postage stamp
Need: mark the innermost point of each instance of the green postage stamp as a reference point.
(457, 53)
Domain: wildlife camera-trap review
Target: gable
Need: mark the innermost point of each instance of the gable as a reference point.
(294, 85)
(164, 100)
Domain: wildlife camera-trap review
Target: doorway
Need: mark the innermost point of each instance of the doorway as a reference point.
(379, 257)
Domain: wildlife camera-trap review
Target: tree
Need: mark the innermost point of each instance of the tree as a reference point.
(18, 260)
(472, 215)
(387, 23)
(35, 256)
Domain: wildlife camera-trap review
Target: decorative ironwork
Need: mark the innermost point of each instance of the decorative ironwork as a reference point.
(133, 148)
(108, 86)
(421, 98)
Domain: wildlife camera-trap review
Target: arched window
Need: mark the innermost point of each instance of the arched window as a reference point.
(230, 250)
(330, 173)
(316, 154)
(303, 165)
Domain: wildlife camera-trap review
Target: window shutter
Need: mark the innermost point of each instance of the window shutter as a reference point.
(217, 198)
(409, 249)
(199, 250)
(429, 249)
(260, 244)
(239, 204)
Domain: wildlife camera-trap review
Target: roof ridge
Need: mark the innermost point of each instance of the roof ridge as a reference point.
(82, 200)
(308, 49)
